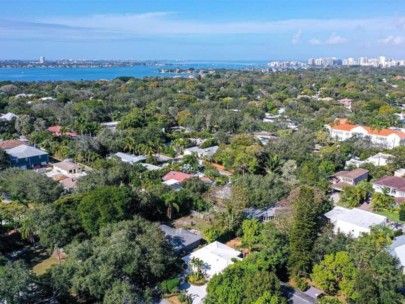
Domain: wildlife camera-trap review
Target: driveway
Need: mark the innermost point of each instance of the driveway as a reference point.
(197, 292)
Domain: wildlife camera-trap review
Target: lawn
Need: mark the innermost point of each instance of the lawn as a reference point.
(42, 267)
(392, 216)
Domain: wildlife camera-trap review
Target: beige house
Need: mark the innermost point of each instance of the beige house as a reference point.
(68, 168)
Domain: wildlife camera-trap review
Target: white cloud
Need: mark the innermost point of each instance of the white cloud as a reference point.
(155, 25)
(171, 23)
(333, 39)
(296, 38)
(392, 40)
(315, 41)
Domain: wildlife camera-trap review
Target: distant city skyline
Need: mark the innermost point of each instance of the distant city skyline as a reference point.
(201, 30)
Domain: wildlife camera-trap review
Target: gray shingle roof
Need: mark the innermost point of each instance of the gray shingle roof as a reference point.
(179, 238)
(25, 151)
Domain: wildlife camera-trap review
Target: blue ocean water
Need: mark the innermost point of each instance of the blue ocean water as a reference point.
(61, 74)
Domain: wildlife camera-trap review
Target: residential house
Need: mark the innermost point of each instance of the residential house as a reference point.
(27, 157)
(354, 221)
(313, 294)
(216, 257)
(162, 159)
(182, 240)
(201, 153)
(378, 160)
(386, 138)
(58, 131)
(399, 172)
(349, 178)
(173, 179)
(397, 250)
(68, 183)
(393, 185)
(346, 102)
(261, 214)
(112, 125)
(9, 144)
(130, 158)
(9, 116)
(151, 167)
(68, 168)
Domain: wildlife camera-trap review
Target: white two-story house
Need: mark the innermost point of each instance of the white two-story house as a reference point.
(342, 130)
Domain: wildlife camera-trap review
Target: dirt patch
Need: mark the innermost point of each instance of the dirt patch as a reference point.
(173, 300)
(235, 243)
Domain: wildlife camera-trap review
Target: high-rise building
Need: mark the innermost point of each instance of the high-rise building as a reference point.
(42, 59)
(311, 61)
(363, 60)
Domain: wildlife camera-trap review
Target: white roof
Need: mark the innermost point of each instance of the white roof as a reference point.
(216, 257)
(9, 116)
(130, 158)
(397, 249)
(205, 152)
(170, 182)
(151, 167)
(25, 151)
(355, 216)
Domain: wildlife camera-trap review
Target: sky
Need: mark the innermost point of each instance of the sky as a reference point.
(201, 30)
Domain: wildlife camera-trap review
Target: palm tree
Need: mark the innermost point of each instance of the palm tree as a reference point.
(170, 203)
(129, 144)
(196, 265)
(380, 201)
(273, 164)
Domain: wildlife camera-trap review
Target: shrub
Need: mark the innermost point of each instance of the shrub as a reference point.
(402, 212)
(194, 280)
(302, 284)
(170, 285)
(181, 297)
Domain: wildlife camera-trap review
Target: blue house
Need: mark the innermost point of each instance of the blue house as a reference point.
(27, 157)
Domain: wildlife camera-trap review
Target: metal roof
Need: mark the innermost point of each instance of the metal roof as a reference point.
(25, 151)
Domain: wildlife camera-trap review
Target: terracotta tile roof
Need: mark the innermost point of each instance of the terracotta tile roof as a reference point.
(384, 132)
(343, 125)
(205, 179)
(9, 144)
(57, 131)
(177, 176)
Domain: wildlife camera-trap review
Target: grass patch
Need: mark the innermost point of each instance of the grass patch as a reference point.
(392, 216)
(42, 267)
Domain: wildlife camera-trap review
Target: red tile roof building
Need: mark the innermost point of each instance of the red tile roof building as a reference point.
(57, 131)
(342, 130)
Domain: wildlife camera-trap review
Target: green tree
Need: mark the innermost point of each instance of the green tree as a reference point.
(251, 233)
(132, 251)
(381, 201)
(27, 186)
(305, 225)
(106, 205)
(335, 274)
(243, 283)
(171, 202)
(123, 293)
(17, 283)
